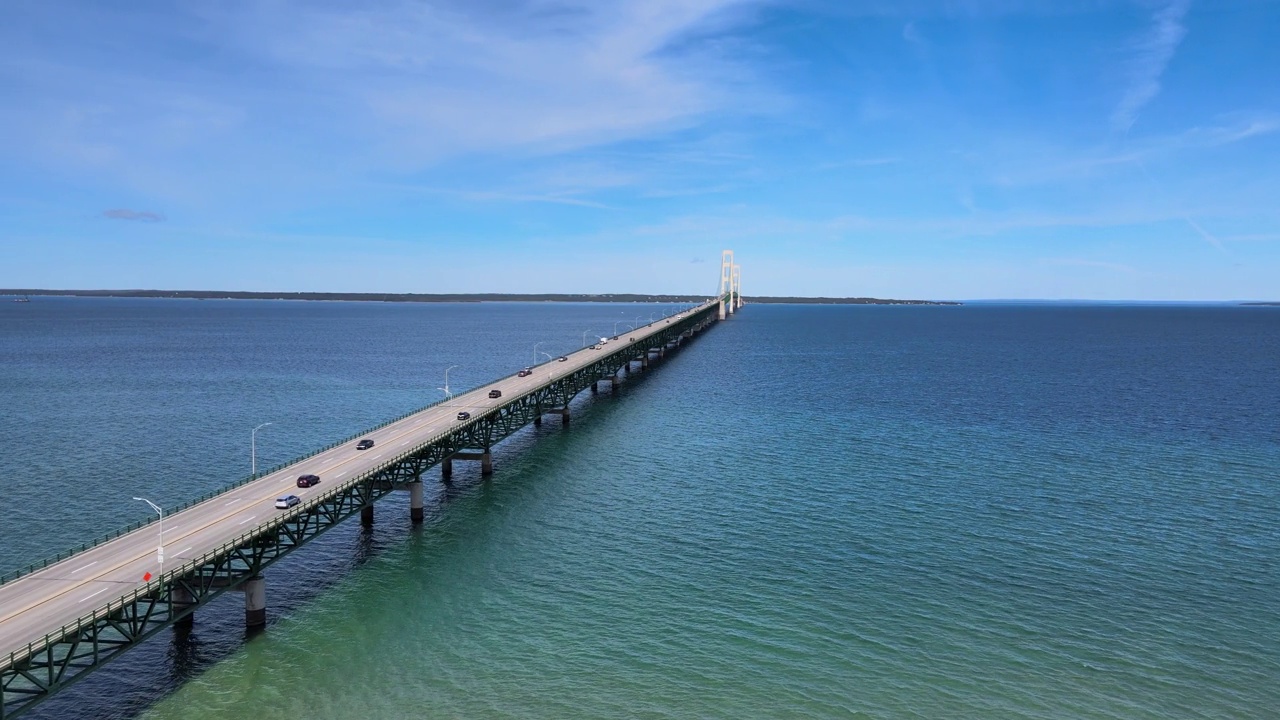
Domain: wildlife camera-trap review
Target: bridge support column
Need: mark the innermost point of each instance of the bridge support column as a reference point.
(644, 360)
(537, 420)
(595, 387)
(613, 382)
(415, 502)
(484, 456)
(181, 599)
(255, 602)
(366, 516)
(446, 469)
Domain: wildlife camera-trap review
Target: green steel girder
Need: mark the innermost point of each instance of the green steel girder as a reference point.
(60, 659)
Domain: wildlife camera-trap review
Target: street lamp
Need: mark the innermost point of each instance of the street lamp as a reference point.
(535, 351)
(448, 395)
(253, 450)
(584, 336)
(160, 547)
(638, 319)
(615, 327)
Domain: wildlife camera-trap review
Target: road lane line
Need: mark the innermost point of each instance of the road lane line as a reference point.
(233, 501)
(86, 567)
(88, 596)
(249, 519)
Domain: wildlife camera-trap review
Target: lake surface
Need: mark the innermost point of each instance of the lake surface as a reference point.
(989, 511)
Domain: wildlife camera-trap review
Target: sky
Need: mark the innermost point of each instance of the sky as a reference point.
(936, 149)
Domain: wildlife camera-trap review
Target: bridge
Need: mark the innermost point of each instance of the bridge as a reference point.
(65, 617)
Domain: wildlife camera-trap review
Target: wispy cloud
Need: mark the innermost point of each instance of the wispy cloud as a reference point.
(1151, 55)
(135, 215)
(1208, 237)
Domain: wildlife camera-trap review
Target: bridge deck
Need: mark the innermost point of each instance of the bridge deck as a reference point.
(46, 600)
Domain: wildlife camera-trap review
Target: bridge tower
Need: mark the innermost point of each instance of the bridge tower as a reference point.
(736, 297)
(726, 282)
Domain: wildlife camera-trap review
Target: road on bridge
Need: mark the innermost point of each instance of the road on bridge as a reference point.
(43, 601)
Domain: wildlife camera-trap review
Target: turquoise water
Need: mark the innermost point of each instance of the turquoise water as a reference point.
(811, 511)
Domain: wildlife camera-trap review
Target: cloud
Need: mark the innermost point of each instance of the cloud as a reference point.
(136, 215)
(1208, 237)
(1151, 55)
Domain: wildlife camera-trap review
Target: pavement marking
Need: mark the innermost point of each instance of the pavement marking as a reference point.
(232, 502)
(184, 550)
(375, 457)
(247, 519)
(86, 597)
(86, 567)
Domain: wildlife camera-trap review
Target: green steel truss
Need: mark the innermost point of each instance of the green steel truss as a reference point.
(60, 658)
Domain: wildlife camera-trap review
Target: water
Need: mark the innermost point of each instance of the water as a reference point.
(985, 511)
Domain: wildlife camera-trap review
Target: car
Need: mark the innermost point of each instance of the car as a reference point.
(631, 339)
(288, 501)
(525, 372)
(562, 358)
(495, 393)
(464, 415)
(364, 444)
(308, 480)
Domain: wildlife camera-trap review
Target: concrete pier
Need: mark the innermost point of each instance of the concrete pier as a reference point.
(366, 516)
(415, 502)
(181, 599)
(484, 456)
(255, 601)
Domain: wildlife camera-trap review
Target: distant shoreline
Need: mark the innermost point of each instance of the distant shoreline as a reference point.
(454, 297)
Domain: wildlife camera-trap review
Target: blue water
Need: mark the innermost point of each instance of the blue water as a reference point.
(811, 511)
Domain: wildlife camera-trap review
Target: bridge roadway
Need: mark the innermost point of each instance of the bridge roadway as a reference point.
(45, 600)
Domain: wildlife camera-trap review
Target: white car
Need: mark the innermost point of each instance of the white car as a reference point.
(288, 501)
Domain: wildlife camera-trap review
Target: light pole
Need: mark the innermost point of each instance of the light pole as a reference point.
(253, 450)
(584, 336)
(448, 395)
(535, 351)
(160, 547)
(638, 319)
(615, 327)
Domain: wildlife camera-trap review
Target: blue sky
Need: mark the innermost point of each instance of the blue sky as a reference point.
(949, 149)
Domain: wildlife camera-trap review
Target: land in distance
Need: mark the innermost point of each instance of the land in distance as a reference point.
(453, 297)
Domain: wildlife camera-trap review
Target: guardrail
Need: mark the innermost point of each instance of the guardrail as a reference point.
(46, 562)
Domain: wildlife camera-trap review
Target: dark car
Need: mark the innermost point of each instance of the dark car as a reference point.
(631, 339)
(562, 358)
(308, 480)
(495, 393)
(464, 415)
(364, 444)
(525, 372)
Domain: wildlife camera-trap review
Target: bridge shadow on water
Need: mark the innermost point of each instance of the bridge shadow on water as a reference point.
(131, 684)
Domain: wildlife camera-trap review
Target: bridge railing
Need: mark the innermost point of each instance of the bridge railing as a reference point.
(112, 535)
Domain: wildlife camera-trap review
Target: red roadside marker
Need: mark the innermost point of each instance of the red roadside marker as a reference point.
(146, 578)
